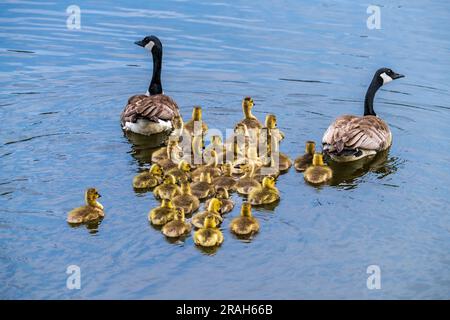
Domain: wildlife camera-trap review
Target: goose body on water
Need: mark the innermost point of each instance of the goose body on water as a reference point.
(150, 113)
(351, 138)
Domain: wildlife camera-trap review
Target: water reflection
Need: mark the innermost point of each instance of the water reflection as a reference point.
(92, 226)
(347, 174)
(142, 147)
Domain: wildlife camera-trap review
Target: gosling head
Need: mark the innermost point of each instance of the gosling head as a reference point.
(241, 130)
(197, 113)
(210, 222)
(215, 205)
(386, 75)
(268, 182)
(170, 179)
(184, 166)
(310, 147)
(156, 170)
(248, 103)
(246, 209)
(271, 121)
(92, 195)
(222, 193)
(318, 159)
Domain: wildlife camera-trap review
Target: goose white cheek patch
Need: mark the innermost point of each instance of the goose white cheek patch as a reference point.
(149, 45)
(386, 78)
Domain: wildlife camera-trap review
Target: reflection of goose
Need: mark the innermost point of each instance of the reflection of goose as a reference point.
(351, 138)
(346, 174)
(151, 113)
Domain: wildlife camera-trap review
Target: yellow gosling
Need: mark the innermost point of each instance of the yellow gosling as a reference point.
(92, 211)
(245, 224)
(318, 172)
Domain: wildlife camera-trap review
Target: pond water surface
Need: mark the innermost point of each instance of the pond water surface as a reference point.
(62, 92)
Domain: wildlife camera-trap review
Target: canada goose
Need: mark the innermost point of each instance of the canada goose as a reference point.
(164, 213)
(250, 120)
(148, 179)
(351, 138)
(247, 183)
(209, 235)
(203, 188)
(225, 181)
(213, 209)
(196, 126)
(168, 189)
(212, 168)
(186, 199)
(93, 210)
(267, 193)
(224, 197)
(318, 172)
(245, 224)
(153, 112)
(178, 226)
(304, 161)
(182, 173)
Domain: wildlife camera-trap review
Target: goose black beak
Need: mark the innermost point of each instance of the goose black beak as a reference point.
(140, 43)
(397, 76)
(99, 195)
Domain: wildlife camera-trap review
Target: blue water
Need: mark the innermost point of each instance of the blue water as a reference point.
(61, 94)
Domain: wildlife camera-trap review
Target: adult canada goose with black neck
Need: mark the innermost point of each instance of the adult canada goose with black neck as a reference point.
(350, 137)
(153, 112)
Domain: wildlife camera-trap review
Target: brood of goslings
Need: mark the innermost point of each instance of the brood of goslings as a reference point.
(304, 161)
(245, 224)
(224, 197)
(186, 199)
(92, 211)
(151, 113)
(168, 189)
(209, 235)
(213, 210)
(203, 189)
(178, 226)
(318, 172)
(266, 194)
(148, 179)
(161, 215)
(350, 138)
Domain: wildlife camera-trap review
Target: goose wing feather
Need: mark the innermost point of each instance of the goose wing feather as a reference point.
(152, 108)
(351, 132)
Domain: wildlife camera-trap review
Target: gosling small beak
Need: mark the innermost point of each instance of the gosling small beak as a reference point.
(397, 76)
(99, 195)
(140, 43)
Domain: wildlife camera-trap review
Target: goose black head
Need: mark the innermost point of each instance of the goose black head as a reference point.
(151, 43)
(386, 75)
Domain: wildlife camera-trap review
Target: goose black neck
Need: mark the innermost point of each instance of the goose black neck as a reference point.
(155, 85)
(370, 95)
